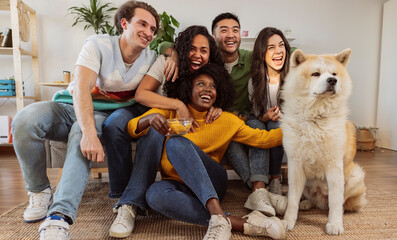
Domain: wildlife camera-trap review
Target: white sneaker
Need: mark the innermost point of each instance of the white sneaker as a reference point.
(259, 200)
(276, 187)
(54, 228)
(278, 202)
(124, 223)
(38, 205)
(259, 225)
(219, 228)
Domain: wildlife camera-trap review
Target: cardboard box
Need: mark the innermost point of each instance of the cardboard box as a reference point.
(5, 129)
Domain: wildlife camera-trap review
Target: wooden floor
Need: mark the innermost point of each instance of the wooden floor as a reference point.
(380, 167)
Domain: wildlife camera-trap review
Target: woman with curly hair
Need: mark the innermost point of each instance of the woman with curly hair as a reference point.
(194, 47)
(262, 167)
(193, 182)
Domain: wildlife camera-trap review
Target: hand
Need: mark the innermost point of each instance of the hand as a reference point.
(183, 112)
(213, 114)
(272, 114)
(159, 123)
(91, 147)
(171, 69)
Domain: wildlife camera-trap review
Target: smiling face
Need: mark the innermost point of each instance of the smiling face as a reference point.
(199, 52)
(139, 32)
(203, 93)
(275, 53)
(227, 36)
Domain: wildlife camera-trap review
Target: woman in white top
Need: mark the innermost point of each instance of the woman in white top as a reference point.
(262, 167)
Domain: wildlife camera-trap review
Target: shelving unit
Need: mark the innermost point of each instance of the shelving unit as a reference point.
(16, 50)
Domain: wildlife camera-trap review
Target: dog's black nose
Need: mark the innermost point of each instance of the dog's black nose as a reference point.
(332, 81)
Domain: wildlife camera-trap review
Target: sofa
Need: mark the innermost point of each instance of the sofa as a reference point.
(56, 153)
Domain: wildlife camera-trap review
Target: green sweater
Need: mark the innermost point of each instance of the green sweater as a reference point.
(241, 73)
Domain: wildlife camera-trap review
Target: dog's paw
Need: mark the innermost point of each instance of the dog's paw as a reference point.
(305, 205)
(290, 222)
(334, 228)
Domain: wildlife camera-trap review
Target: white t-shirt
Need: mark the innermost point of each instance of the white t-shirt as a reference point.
(102, 54)
(229, 66)
(272, 95)
(156, 71)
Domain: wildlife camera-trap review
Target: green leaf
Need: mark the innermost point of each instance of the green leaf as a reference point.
(174, 21)
(170, 32)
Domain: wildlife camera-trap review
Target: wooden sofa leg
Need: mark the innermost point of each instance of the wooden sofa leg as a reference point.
(97, 172)
(59, 175)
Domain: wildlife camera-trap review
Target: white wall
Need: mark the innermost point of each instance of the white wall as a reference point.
(387, 114)
(320, 26)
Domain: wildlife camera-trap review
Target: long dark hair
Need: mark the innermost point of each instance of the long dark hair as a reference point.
(182, 45)
(259, 69)
(222, 80)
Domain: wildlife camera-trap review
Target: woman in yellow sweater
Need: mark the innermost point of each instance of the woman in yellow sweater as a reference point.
(193, 180)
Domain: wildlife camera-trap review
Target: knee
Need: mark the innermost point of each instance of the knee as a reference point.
(153, 197)
(116, 123)
(174, 143)
(29, 118)
(256, 123)
(272, 125)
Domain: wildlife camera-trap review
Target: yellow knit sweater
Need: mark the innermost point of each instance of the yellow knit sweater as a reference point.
(212, 138)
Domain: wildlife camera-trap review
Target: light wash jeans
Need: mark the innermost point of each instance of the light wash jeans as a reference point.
(55, 121)
(255, 164)
(203, 179)
(118, 147)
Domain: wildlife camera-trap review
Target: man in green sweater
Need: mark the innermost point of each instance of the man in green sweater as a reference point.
(226, 31)
(251, 166)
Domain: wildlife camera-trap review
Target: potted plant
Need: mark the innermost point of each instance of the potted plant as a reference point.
(166, 31)
(94, 16)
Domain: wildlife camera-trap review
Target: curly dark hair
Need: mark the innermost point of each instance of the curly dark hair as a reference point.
(259, 69)
(223, 83)
(183, 44)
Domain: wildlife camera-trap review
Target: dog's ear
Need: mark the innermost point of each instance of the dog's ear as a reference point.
(297, 58)
(344, 56)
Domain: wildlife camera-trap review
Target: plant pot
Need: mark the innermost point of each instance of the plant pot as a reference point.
(365, 140)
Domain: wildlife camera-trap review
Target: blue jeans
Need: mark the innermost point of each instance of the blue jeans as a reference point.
(54, 121)
(255, 164)
(118, 147)
(144, 170)
(203, 179)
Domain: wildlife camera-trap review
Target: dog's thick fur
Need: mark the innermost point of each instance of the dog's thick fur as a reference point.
(318, 139)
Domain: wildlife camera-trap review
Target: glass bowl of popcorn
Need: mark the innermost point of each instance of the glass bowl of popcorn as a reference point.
(179, 126)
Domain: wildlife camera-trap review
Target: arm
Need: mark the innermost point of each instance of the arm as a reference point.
(155, 120)
(171, 69)
(91, 147)
(171, 65)
(145, 94)
(258, 138)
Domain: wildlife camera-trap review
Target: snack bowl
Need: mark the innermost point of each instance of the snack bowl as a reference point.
(179, 126)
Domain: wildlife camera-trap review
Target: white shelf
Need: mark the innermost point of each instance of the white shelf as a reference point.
(55, 84)
(14, 6)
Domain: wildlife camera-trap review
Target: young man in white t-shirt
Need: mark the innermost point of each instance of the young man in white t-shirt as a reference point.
(107, 72)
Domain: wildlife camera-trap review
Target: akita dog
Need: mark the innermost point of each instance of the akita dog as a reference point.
(319, 140)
